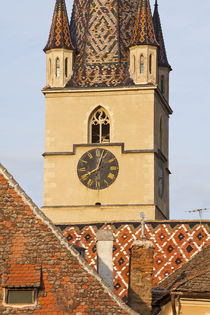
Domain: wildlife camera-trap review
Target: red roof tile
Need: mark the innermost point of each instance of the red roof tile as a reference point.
(22, 276)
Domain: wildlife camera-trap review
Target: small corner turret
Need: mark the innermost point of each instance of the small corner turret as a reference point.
(143, 50)
(59, 49)
(164, 67)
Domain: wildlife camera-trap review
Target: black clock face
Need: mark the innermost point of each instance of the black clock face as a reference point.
(97, 169)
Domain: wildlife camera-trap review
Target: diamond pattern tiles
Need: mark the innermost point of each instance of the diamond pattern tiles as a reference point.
(162, 57)
(175, 243)
(59, 36)
(144, 33)
(101, 58)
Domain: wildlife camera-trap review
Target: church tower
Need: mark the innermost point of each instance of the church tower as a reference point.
(107, 113)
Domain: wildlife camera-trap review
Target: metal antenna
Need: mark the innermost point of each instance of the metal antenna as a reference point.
(199, 211)
(143, 220)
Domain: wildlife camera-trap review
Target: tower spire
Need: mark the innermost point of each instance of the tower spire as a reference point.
(59, 36)
(144, 33)
(162, 56)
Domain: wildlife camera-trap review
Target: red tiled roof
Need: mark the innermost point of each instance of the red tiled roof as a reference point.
(144, 33)
(22, 276)
(59, 33)
(193, 276)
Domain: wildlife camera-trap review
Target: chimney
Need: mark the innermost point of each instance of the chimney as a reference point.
(140, 282)
(104, 256)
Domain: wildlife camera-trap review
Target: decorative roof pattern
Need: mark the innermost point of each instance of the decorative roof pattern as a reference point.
(193, 276)
(22, 276)
(144, 33)
(95, 29)
(59, 36)
(175, 243)
(162, 56)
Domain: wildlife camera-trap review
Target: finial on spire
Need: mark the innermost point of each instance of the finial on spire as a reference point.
(162, 56)
(59, 33)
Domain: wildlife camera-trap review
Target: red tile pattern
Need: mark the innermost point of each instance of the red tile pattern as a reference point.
(59, 36)
(22, 276)
(175, 243)
(144, 33)
(29, 240)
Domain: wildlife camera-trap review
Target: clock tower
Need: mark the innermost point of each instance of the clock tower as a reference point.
(107, 113)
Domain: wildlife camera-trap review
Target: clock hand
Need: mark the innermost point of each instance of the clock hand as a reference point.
(99, 163)
(97, 167)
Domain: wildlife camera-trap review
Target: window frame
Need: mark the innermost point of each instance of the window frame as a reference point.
(90, 127)
(19, 305)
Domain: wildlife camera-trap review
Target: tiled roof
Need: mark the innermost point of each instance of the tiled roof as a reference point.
(22, 276)
(144, 33)
(69, 285)
(162, 56)
(101, 59)
(191, 277)
(59, 36)
(176, 242)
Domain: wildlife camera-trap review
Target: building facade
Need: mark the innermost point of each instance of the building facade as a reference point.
(107, 114)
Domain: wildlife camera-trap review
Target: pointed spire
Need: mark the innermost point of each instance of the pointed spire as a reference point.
(59, 33)
(162, 56)
(144, 33)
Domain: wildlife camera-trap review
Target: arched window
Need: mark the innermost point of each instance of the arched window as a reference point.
(162, 84)
(99, 126)
(57, 67)
(134, 63)
(66, 67)
(161, 133)
(50, 67)
(160, 178)
(150, 64)
(141, 64)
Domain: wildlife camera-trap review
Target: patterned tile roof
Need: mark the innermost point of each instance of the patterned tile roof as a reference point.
(175, 243)
(144, 33)
(22, 276)
(162, 56)
(59, 36)
(97, 30)
(193, 276)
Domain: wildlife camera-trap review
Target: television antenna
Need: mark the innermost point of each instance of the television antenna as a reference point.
(199, 211)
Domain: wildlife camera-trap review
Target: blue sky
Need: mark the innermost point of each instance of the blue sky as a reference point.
(24, 29)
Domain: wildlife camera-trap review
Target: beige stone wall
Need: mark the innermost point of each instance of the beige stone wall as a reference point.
(190, 306)
(131, 114)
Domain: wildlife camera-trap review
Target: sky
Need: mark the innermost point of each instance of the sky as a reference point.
(24, 29)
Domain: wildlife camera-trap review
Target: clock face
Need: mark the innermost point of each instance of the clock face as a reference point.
(97, 169)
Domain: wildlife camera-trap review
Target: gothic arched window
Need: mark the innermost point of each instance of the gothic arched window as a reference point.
(50, 67)
(99, 126)
(57, 67)
(162, 84)
(161, 133)
(150, 64)
(141, 64)
(160, 178)
(66, 67)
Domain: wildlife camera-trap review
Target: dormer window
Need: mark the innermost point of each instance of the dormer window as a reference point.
(21, 296)
(141, 64)
(57, 67)
(99, 126)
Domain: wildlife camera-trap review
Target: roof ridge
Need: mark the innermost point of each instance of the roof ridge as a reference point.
(162, 56)
(38, 213)
(144, 33)
(59, 36)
